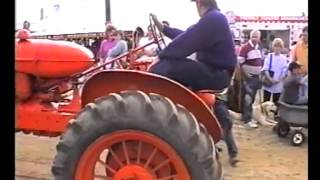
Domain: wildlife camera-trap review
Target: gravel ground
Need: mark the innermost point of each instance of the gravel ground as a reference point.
(263, 156)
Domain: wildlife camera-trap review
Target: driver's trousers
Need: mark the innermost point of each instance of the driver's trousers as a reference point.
(193, 74)
(199, 76)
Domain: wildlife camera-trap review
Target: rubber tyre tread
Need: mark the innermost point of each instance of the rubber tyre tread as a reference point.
(283, 129)
(293, 135)
(151, 113)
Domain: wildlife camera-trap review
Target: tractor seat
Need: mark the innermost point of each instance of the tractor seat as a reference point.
(210, 91)
(209, 96)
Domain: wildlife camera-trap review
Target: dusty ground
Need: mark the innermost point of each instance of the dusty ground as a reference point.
(263, 157)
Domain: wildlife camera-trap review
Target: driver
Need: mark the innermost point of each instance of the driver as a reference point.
(211, 39)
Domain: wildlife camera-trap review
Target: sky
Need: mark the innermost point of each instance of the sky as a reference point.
(89, 15)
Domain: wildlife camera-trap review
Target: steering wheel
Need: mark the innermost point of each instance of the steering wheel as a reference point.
(155, 32)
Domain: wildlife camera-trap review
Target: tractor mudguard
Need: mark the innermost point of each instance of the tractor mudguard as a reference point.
(115, 81)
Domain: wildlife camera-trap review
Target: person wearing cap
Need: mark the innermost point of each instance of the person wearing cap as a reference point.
(211, 39)
(294, 91)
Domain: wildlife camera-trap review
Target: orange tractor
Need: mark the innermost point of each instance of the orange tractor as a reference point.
(120, 124)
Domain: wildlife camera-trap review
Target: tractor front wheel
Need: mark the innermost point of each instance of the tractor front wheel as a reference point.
(133, 135)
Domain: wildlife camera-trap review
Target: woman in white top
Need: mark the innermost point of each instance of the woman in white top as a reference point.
(277, 63)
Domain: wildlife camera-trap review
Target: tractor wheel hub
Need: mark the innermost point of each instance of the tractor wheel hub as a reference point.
(133, 172)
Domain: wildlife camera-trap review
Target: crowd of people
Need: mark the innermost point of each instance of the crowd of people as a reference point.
(215, 55)
(201, 53)
(115, 43)
(276, 74)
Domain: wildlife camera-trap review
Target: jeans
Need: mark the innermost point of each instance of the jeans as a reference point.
(192, 74)
(223, 116)
(198, 76)
(251, 85)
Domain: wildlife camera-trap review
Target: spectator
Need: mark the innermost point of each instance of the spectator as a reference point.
(305, 85)
(26, 25)
(120, 48)
(107, 44)
(300, 51)
(129, 42)
(294, 86)
(237, 44)
(138, 34)
(250, 60)
(151, 49)
(291, 48)
(293, 45)
(265, 52)
(95, 47)
(87, 43)
(278, 64)
(285, 52)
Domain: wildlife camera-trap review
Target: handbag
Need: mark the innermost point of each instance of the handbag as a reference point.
(263, 76)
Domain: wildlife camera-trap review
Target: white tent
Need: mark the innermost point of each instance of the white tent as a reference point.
(74, 16)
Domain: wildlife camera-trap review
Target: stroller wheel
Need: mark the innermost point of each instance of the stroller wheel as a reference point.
(275, 128)
(283, 129)
(297, 138)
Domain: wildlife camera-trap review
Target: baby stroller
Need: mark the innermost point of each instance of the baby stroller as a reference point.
(292, 116)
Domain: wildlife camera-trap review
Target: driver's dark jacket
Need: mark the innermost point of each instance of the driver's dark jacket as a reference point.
(210, 38)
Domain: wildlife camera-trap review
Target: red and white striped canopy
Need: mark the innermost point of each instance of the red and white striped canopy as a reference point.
(270, 19)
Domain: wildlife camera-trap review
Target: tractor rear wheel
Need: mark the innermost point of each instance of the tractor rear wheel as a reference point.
(133, 135)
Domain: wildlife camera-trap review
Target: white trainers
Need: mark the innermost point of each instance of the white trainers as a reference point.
(251, 124)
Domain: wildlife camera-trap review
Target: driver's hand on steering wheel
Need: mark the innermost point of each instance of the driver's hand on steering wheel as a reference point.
(157, 22)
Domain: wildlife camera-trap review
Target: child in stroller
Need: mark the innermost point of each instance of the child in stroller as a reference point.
(295, 86)
(293, 105)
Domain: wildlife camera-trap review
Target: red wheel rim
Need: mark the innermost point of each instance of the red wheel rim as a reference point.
(130, 155)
